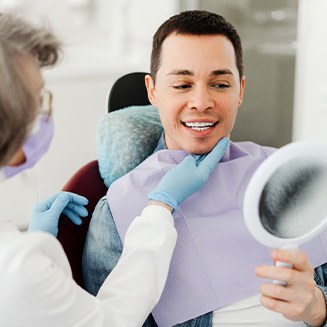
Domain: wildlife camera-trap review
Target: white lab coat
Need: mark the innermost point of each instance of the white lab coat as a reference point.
(37, 289)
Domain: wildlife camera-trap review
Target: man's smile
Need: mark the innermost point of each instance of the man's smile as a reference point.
(200, 125)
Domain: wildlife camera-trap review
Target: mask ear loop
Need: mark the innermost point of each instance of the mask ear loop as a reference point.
(50, 104)
(36, 124)
(46, 104)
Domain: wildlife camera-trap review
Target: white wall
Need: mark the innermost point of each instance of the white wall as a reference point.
(310, 105)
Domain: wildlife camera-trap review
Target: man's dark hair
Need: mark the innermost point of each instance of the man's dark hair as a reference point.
(195, 22)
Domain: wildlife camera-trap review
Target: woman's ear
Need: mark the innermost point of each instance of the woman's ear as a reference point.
(149, 83)
(18, 159)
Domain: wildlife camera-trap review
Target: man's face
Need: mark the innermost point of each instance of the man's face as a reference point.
(197, 91)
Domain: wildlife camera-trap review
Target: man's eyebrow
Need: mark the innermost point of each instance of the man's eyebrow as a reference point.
(221, 72)
(186, 72)
(183, 72)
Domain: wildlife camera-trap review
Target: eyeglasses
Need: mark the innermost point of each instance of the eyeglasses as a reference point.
(46, 102)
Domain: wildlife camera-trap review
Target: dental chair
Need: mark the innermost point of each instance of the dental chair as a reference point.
(127, 91)
(87, 182)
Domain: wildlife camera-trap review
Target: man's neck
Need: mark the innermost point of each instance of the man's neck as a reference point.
(161, 143)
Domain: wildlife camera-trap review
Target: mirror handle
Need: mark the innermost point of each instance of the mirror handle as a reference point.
(282, 264)
(285, 264)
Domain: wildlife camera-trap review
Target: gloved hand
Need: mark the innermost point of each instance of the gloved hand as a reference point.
(188, 177)
(45, 214)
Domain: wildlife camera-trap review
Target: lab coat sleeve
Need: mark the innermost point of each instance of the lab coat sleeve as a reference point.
(37, 288)
(135, 285)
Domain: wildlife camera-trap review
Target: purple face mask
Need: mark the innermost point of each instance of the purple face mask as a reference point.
(34, 147)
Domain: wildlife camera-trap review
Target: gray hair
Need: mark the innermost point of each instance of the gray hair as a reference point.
(18, 108)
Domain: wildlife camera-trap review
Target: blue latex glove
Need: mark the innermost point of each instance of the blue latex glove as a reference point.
(45, 214)
(188, 177)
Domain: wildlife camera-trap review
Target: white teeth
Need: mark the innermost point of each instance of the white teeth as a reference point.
(199, 126)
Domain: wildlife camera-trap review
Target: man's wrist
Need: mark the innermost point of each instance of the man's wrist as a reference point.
(319, 316)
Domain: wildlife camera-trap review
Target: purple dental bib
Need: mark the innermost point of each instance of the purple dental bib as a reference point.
(215, 256)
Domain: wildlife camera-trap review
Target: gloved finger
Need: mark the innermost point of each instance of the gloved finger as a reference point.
(75, 198)
(199, 158)
(219, 150)
(78, 209)
(186, 165)
(187, 162)
(46, 203)
(59, 204)
(211, 160)
(73, 216)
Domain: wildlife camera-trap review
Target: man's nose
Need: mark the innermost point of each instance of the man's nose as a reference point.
(201, 99)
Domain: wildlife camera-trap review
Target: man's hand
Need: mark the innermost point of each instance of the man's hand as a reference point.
(300, 299)
(188, 177)
(45, 214)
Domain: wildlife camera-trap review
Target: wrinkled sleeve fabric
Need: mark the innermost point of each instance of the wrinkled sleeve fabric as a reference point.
(150, 240)
(135, 285)
(37, 288)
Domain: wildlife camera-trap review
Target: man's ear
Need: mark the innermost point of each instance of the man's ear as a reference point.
(151, 90)
(240, 99)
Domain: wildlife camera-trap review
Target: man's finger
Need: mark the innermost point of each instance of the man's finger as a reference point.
(296, 258)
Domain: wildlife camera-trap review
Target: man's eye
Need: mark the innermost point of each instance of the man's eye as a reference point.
(221, 85)
(181, 87)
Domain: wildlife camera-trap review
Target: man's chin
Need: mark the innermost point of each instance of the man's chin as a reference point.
(204, 147)
(196, 147)
(199, 150)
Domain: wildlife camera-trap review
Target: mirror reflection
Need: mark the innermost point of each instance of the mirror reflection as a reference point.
(294, 200)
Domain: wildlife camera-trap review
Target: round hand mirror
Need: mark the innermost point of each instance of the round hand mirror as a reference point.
(285, 203)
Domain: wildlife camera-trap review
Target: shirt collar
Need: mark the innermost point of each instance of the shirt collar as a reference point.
(161, 143)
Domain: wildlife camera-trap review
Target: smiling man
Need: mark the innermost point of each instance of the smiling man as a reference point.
(197, 90)
(197, 85)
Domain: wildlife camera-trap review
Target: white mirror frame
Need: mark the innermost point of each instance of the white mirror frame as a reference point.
(260, 179)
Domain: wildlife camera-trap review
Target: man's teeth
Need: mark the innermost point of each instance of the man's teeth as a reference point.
(199, 126)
